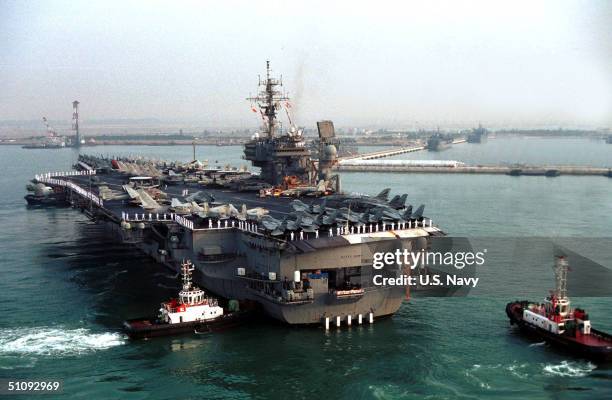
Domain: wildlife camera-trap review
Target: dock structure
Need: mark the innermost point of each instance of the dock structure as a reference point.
(371, 162)
(459, 168)
(384, 153)
(394, 151)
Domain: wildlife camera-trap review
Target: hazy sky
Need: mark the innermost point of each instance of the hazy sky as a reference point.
(371, 63)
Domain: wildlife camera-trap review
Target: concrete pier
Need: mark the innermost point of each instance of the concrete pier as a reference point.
(385, 153)
(529, 170)
(394, 151)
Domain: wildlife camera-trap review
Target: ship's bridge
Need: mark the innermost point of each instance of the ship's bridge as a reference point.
(191, 297)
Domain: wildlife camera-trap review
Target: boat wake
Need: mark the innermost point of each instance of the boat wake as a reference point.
(537, 344)
(55, 341)
(569, 369)
(480, 371)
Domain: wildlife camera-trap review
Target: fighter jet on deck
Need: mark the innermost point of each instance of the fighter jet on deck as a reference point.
(147, 202)
(298, 205)
(253, 214)
(224, 211)
(201, 197)
(360, 202)
(327, 219)
(272, 225)
(142, 198)
(418, 214)
(107, 193)
(131, 192)
(398, 201)
(311, 191)
(185, 208)
(256, 213)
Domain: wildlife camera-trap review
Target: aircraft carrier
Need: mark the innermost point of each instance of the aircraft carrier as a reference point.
(287, 238)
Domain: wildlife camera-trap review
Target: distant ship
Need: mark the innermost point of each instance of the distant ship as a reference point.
(438, 142)
(42, 195)
(44, 145)
(54, 141)
(478, 135)
(51, 141)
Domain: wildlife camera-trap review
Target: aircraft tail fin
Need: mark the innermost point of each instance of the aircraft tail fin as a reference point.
(131, 192)
(384, 194)
(232, 211)
(418, 214)
(398, 201)
(407, 213)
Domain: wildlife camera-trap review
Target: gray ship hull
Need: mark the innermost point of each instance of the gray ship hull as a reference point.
(381, 302)
(234, 249)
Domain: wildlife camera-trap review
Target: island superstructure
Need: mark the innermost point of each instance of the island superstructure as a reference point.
(284, 159)
(288, 239)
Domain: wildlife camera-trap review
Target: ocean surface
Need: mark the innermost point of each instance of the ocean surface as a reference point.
(66, 287)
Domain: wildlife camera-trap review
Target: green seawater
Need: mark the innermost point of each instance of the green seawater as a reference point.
(66, 286)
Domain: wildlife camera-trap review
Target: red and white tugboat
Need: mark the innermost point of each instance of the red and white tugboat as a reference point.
(193, 311)
(557, 323)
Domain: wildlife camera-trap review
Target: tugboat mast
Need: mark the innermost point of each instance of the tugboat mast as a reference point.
(268, 100)
(187, 268)
(561, 267)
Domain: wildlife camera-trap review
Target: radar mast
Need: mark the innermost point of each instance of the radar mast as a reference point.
(269, 100)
